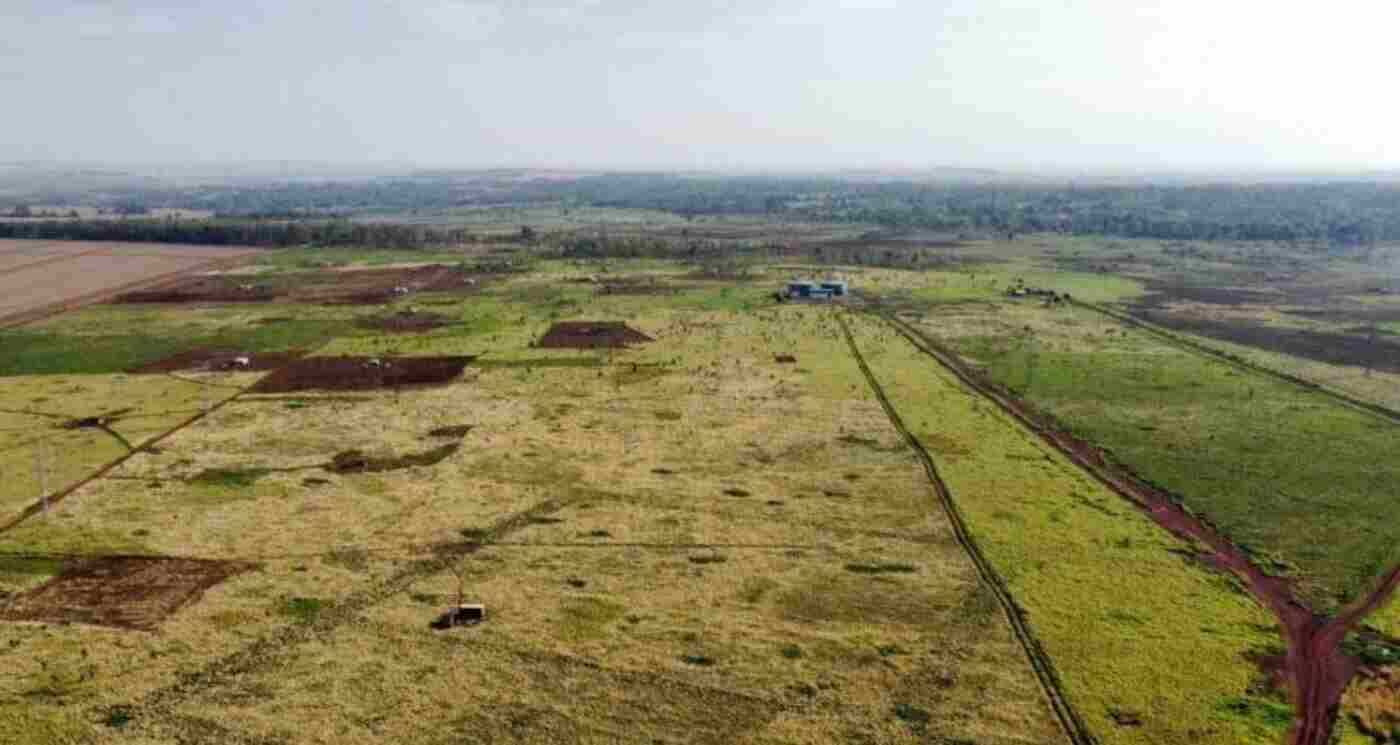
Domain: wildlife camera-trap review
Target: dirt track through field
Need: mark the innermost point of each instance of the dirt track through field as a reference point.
(39, 506)
(279, 647)
(1204, 350)
(1317, 669)
(1070, 722)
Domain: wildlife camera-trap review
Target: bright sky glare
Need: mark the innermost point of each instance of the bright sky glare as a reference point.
(1179, 84)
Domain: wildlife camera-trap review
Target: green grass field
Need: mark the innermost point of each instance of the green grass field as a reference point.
(1132, 625)
(1292, 476)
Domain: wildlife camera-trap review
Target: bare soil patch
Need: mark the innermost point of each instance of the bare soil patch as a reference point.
(125, 592)
(361, 373)
(372, 286)
(406, 322)
(205, 290)
(218, 358)
(591, 335)
(355, 461)
(1162, 294)
(1380, 354)
(377, 286)
(79, 274)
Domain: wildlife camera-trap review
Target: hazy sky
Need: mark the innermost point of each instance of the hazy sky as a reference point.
(705, 83)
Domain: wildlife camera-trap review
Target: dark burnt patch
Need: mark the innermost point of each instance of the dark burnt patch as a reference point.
(591, 335)
(361, 373)
(355, 461)
(218, 289)
(128, 592)
(1381, 353)
(225, 359)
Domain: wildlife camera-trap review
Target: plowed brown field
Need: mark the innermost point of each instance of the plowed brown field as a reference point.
(37, 277)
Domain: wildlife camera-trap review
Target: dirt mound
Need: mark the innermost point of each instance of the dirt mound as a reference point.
(405, 322)
(361, 373)
(591, 335)
(355, 461)
(123, 591)
(218, 358)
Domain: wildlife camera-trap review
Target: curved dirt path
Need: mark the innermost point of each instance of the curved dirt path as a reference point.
(1316, 668)
(1069, 720)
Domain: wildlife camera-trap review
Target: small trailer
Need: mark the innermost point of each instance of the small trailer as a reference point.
(465, 614)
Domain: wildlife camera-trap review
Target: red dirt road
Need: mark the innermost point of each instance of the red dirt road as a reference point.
(38, 278)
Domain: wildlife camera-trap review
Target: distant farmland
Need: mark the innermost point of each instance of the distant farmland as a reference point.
(41, 276)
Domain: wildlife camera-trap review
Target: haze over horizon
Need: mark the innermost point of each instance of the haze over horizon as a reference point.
(710, 84)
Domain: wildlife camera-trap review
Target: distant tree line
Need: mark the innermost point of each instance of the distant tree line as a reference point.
(1326, 215)
(241, 233)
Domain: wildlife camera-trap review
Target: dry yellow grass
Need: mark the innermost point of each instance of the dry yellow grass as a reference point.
(717, 549)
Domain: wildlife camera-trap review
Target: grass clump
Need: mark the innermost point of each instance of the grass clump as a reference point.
(352, 558)
(588, 617)
(303, 610)
(228, 478)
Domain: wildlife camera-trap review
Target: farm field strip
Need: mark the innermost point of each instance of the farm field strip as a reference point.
(1295, 478)
(1070, 721)
(1317, 670)
(1107, 593)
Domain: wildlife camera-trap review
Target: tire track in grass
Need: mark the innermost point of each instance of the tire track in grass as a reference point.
(1069, 720)
(276, 648)
(1318, 671)
(40, 505)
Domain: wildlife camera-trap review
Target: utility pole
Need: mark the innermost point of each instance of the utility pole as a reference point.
(41, 470)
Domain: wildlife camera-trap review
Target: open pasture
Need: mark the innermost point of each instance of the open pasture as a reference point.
(710, 532)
